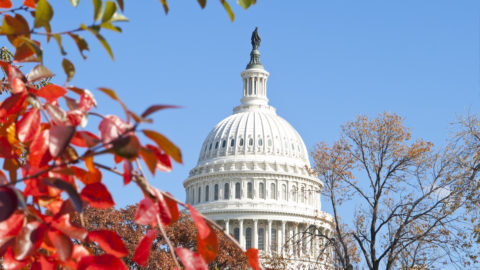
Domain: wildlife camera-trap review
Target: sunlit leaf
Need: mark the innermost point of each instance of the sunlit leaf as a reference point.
(63, 245)
(142, 252)
(127, 172)
(163, 160)
(39, 72)
(118, 17)
(12, 225)
(12, 104)
(81, 44)
(165, 144)
(5, 4)
(51, 92)
(74, 2)
(149, 158)
(39, 154)
(146, 212)
(85, 139)
(29, 239)
(15, 26)
(228, 9)
(63, 224)
(58, 38)
(111, 127)
(203, 228)
(101, 262)
(69, 69)
(43, 14)
(101, 39)
(109, 241)
(245, 4)
(110, 9)
(168, 209)
(29, 125)
(208, 247)
(191, 260)
(97, 195)
(97, 9)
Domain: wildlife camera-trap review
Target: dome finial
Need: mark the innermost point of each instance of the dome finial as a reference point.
(255, 54)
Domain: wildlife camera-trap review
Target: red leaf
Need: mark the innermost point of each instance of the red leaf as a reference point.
(127, 172)
(59, 138)
(63, 245)
(16, 78)
(12, 225)
(102, 262)
(12, 104)
(87, 101)
(77, 117)
(168, 208)
(202, 227)
(51, 92)
(85, 139)
(149, 158)
(5, 4)
(191, 260)
(87, 177)
(112, 127)
(155, 108)
(39, 154)
(165, 144)
(3, 178)
(8, 203)
(208, 247)
(109, 241)
(143, 249)
(29, 3)
(6, 149)
(63, 224)
(163, 160)
(29, 240)
(29, 125)
(17, 85)
(97, 195)
(10, 263)
(252, 255)
(146, 212)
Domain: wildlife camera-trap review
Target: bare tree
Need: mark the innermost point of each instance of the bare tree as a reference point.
(408, 197)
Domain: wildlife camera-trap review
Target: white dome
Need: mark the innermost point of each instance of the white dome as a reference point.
(254, 131)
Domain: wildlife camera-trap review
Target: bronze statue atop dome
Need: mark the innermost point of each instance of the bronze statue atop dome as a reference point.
(256, 39)
(255, 54)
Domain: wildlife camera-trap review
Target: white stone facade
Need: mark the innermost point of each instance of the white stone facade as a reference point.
(252, 178)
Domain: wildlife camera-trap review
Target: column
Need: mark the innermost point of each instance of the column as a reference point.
(255, 233)
(227, 226)
(296, 242)
(279, 240)
(284, 237)
(269, 236)
(241, 240)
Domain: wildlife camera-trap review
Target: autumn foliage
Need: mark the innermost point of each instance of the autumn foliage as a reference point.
(50, 167)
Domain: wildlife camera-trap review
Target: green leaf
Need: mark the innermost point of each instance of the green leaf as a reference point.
(117, 17)
(244, 3)
(58, 38)
(74, 2)
(69, 69)
(165, 5)
(228, 9)
(43, 14)
(110, 9)
(105, 45)
(81, 44)
(97, 9)
(120, 4)
(110, 26)
(202, 3)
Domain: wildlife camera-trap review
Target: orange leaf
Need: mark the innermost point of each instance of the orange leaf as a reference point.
(165, 144)
(51, 92)
(208, 247)
(109, 241)
(29, 3)
(5, 4)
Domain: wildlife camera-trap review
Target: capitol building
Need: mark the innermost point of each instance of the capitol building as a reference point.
(252, 177)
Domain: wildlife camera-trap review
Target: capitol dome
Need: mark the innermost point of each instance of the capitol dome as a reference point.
(253, 178)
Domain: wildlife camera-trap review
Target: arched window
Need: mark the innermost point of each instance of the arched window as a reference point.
(294, 193)
(250, 142)
(273, 192)
(232, 143)
(207, 191)
(261, 191)
(237, 191)
(273, 245)
(215, 192)
(248, 238)
(284, 192)
(236, 234)
(261, 239)
(226, 191)
(216, 145)
(250, 190)
(210, 147)
(224, 143)
(241, 142)
(199, 194)
(260, 142)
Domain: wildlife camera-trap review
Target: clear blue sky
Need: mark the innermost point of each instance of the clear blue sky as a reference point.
(329, 61)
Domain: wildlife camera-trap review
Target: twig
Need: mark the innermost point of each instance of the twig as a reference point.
(164, 234)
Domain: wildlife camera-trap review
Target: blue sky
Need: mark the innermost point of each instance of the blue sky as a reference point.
(328, 61)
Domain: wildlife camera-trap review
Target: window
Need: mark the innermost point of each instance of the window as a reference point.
(232, 143)
(273, 245)
(215, 192)
(236, 234)
(261, 239)
(273, 192)
(216, 145)
(210, 148)
(260, 142)
(269, 142)
(261, 191)
(224, 143)
(284, 192)
(226, 191)
(199, 194)
(294, 193)
(207, 191)
(248, 238)
(250, 142)
(241, 142)
(250, 190)
(237, 191)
